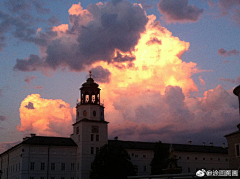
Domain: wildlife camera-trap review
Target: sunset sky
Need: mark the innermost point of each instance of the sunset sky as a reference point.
(166, 68)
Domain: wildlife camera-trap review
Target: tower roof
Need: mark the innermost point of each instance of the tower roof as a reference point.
(90, 83)
(236, 91)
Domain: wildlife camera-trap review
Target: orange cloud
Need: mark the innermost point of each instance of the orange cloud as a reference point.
(45, 116)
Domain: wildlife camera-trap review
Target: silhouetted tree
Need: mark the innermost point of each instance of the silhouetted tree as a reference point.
(112, 162)
(159, 161)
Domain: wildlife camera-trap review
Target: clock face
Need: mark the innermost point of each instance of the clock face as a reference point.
(85, 113)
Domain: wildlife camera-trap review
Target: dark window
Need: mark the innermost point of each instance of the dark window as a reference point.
(32, 166)
(136, 168)
(72, 177)
(187, 158)
(41, 177)
(92, 136)
(52, 166)
(144, 168)
(188, 169)
(94, 113)
(52, 177)
(62, 166)
(144, 156)
(136, 155)
(97, 149)
(237, 150)
(78, 166)
(72, 166)
(195, 158)
(92, 150)
(97, 137)
(203, 158)
(62, 178)
(77, 130)
(218, 159)
(42, 166)
(31, 177)
(78, 114)
(211, 158)
(226, 159)
(180, 157)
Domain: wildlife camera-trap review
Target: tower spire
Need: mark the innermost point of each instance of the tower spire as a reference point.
(90, 74)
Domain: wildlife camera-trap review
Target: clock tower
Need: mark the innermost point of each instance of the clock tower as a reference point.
(90, 131)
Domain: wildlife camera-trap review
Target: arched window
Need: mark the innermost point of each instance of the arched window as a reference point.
(86, 97)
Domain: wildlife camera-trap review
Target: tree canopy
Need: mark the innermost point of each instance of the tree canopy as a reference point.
(112, 162)
(159, 161)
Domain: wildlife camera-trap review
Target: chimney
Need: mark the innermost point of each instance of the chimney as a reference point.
(223, 145)
(190, 142)
(33, 135)
(203, 143)
(211, 144)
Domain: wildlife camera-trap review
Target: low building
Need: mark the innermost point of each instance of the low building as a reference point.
(42, 157)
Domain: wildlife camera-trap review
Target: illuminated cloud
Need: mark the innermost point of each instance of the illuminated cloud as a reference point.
(45, 116)
(80, 47)
(28, 79)
(179, 11)
(202, 82)
(226, 53)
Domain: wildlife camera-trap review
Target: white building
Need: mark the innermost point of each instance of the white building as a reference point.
(41, 157)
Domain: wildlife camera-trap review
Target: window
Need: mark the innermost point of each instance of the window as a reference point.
(237, 150)
(187, 158)
(211, 158)
(77, 130)
(226, 159)
(188, 169)
(62, 166)
(218, 159)
(52, 177)
(52, 166)
(78, 166)
(92, 150)
(92, 136)
(32, 166)
(180, 157)
(144, 156)
(72, 177)
(97, 137)
(72, 166)
(42, 166)
(62, 177)
(41, 177)
(195, 158)
(31, 177)
(78, 137)
(203, 158)
(144, 168)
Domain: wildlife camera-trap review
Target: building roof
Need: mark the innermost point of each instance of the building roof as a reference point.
(236, 132)
(44, 140)
(176, 147)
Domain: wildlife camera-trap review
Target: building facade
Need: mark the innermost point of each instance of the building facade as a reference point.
(233, 140)
(42, 157)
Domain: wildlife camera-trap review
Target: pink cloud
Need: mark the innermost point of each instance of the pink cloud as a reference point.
(226, 53)
(28, 79)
